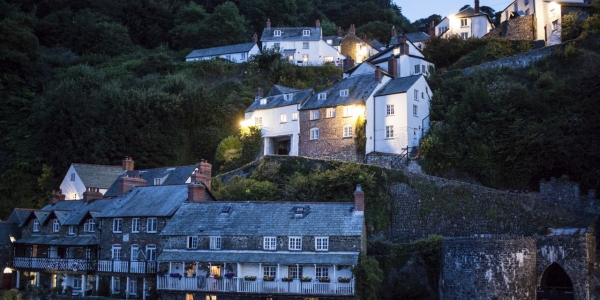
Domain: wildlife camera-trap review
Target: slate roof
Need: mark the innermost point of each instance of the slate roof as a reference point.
(376, 44)
(147, 201)
(72, 212)
(335, 39)
(336, 258)
(20, 215)
(467, 12)
(280, 89)
(359, 88)
(398, 85)
(174, 176)
(50, 239)
(279, 101)
(265, 218)
(216, 51)
(41, 215)
(98, 176)
(291, 34)
(416, 37)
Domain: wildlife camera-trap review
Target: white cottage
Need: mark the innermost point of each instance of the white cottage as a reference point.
(469, 22)
(80, 177)
(235, 53)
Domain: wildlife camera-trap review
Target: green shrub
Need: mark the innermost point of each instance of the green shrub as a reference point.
(229, 150)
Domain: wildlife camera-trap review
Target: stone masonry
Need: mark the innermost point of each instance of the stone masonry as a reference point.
(521, 28)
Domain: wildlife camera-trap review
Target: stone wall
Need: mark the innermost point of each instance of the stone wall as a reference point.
(488, 268)
(521, 28)
(559, 190)
(516, 61)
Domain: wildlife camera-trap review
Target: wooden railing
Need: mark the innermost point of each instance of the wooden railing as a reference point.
(240, 285)
(57, 264)
(125, 266)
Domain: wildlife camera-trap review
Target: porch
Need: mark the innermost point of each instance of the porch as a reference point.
(54, 264)
(125, 266)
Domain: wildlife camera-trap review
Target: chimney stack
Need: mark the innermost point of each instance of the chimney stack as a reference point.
(259, 93)
(318, 24)
(378, 74)
(359, 199)
(340, 32)
(196, 192)
(203, 174)
(125, 183)
(477, 10)
(255, 38)
(393, 66)
(348, 63)
(352, 30)
(128, 164)
(56, 197)
(268, 23)
(394, 32)
(432, 30)
(403, 44)
(91, 193)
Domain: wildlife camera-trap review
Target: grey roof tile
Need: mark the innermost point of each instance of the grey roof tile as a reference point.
(51, 239)
(175, 176)
(98, 176)
(279, 100)
(291, 34)
(398, 85)
(265, 218)
(147, 201)
(280, 89)
(335, 39)
(20, 215)
(359, 88)
(336, 258)
(215, 51)
(416, 37)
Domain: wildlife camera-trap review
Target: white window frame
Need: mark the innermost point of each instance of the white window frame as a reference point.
(152, 225)
(389, 132)
(389, 110)
(283, 118)
(135, 249)
(295, 271)
(116, 285)
(305, 45)
(305, 32)
(344, 93)
(288, 97)
(192, 242)
(71, 230)
(132, 286)
(464, 22)
(55, 225)
(118, 225)
(322, 96)
(215, 243)
(156, 181)
(321, 272)
(464, 35)
(76, 282)
(270, 271)
(72, 176)
(415, 110)
(276, 32)
(135, 225)
(348, 111)
(263, 101)
(243, 55)
(151, 252)
(347, 131)
(258, 121)
(270, 243)
(295, 116)
(321, 243)
(328, 59)
(91, 225)
(330, 112)
(115, 252)
(416, 95)
(314, 134)
(36, 225)
(295, 243)
(417, 69)
(314, 114)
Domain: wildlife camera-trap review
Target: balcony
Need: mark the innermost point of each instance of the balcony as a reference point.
(125, 266)
(240, 285)
(54, 264)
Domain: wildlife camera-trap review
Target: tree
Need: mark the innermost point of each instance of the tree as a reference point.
(424, 24)
(190, 30)
(226, 26)
(368, 277)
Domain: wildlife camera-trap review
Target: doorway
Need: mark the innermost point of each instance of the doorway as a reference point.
(555, 284)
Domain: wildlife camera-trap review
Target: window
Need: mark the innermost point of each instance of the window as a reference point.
(464, 35)
(422, 68)
(151, 225)
(192, 242)
(135, 249)
(270, 271)
(348, 131)
(464, 22)
(417, 69)
(389, 110)
(151, 252)
(89, 226)
(314, 114)
(215, 243)
(348, 111)
(527, 12)
(305, 32)
(263, 101)
(116, 252)
(258, 121)
(72, 176)
(295, 243)
(417, 95)
(36, 225)
(305, 57)
(290, 57)
(330, 41)
(288, 97)
(55, 225)
(135, 225)
(71, 230)
(116, 285)
(554, 24)
(330, 112)
(156, 181)
(277, 32)
(321, 243)
(314, 133)
(76, 282)
(270, 243)
(553, 13)
(389, 132)
(415, 110)
(328, 59)
(344, 93)
(228, 56)
(74, 196)
(295, 116)
(244, 56)
(295, 271)
(283, 118)
(118, 225)
(276, 45)
(322, 96)
(304, 45)
(132, 286)
(422, 95)
(321, 272)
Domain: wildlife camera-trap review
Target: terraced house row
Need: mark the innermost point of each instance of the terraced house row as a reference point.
(175, 240)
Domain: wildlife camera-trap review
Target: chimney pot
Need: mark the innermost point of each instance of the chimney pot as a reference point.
(352, 30)
(203, 174)
(318, 24)
(92, 193)
(125, 183)
(340, 32)
(348, 63)
(196, 192)
(255, 38)
(359, 199)
(128, 164)
(268, 23)
(394, 32)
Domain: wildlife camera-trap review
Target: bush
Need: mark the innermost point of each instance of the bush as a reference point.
(229, 150)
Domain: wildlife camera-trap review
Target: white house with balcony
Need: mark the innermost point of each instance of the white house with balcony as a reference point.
(467, 23)
(301, 45)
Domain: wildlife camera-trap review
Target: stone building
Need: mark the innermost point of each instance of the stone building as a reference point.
(253, 250)
(9, 232)
(352, 46)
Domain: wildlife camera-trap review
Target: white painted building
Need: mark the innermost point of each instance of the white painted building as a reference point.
(277, 116)
(469, 22)
(302, 45)
(82, 176)
(236, 53)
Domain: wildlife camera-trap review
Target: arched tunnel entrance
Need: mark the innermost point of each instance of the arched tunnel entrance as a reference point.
(555, 284)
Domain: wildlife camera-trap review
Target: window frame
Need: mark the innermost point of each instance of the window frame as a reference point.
(258, 121)
(295, 243)
(314, 114)
(151, 252)
(415, 110)
(270, 243)
(305, 32)
(277, 32)
(321, 243)
(216, 242)
(270, 271)
(283, 118)
(156, 181)
(115, 251)
(389, 110)
(389, 132)
(347, 131)
(73, 176)
(305, 58)
(295, 271)
(71, 230)
(263, 101)
(117, 225)
(314, 134)
(416, 95)
(191, 242)
(330, 112)
(417, 69)
(36, 225)
(348, 111)
(116, 285)
(132, 286)
(344, 93)
(321, 272)
(133, 256)
(55, 225)
(135, 225)
(322, 96)
(305, 45)
(151, 225)
(295, 116)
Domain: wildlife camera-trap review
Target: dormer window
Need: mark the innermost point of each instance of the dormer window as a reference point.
(263, 101)
(36, 225)
(330, 42)
(156, 181)
(55, 225)
(305, 32)
(276, 32)
(344, 93)
(322, 96)
(287, 97)
(299, 210)
(71, 230)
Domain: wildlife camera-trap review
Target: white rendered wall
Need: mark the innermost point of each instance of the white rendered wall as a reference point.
(317, 51)
(273, 127)
(69, 187)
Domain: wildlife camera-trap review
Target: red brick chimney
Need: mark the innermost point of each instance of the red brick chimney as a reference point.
(432, 31)
(340, 32)
(403, 44)
(359, 199)
(268, 23)
(318, 24)
(352, 30)
(92, 193)
(196, 192)
(378, 74)
(203, 174)
(56, 196)
(393, 66)
(128, 164)
(477, 7)
(255, 38)
(125, 183)
(394, 32)
(348, 63)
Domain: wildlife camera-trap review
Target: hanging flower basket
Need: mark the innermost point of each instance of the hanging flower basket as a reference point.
(324, 279)
(268, 278)
(249, 278)
(287, 279)
(344, 279)
(218, 277)
(306, 279)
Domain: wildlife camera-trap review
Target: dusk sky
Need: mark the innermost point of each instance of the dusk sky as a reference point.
(415, 9)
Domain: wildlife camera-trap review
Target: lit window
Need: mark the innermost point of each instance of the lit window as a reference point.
(55, 225)
(304, 45)
(417, 69)
(290, 57)
(116, 252)
(344, 93)
(305, 32)
(348, 111)
(72, 176)
(258, 121)
(314, 114)
(283, 118)
(321, 272)
(328, 59)
(156, 181)
(348, 131)
(321, 243)
(151, 252)
(389, 109)
(305, 57)
(192, 242)
(270, 243)
(295, 243)
(322, 96)
(277, 32)
(417, 95)
(135, 249)
(36, 225)
(329, 41)
(74, 196)
(215, 243)
(71, 230)
(270, 271)
(389, 132)
(295, 116)
(288, 97)
(118, 225)
(314, 133)
(263, 101)
(330, 112)
(415, 110)
(151, 225)
(135, 225)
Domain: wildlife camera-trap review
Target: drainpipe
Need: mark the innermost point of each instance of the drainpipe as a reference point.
(144, 291)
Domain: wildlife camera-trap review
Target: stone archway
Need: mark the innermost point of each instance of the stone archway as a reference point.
(555, 284)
